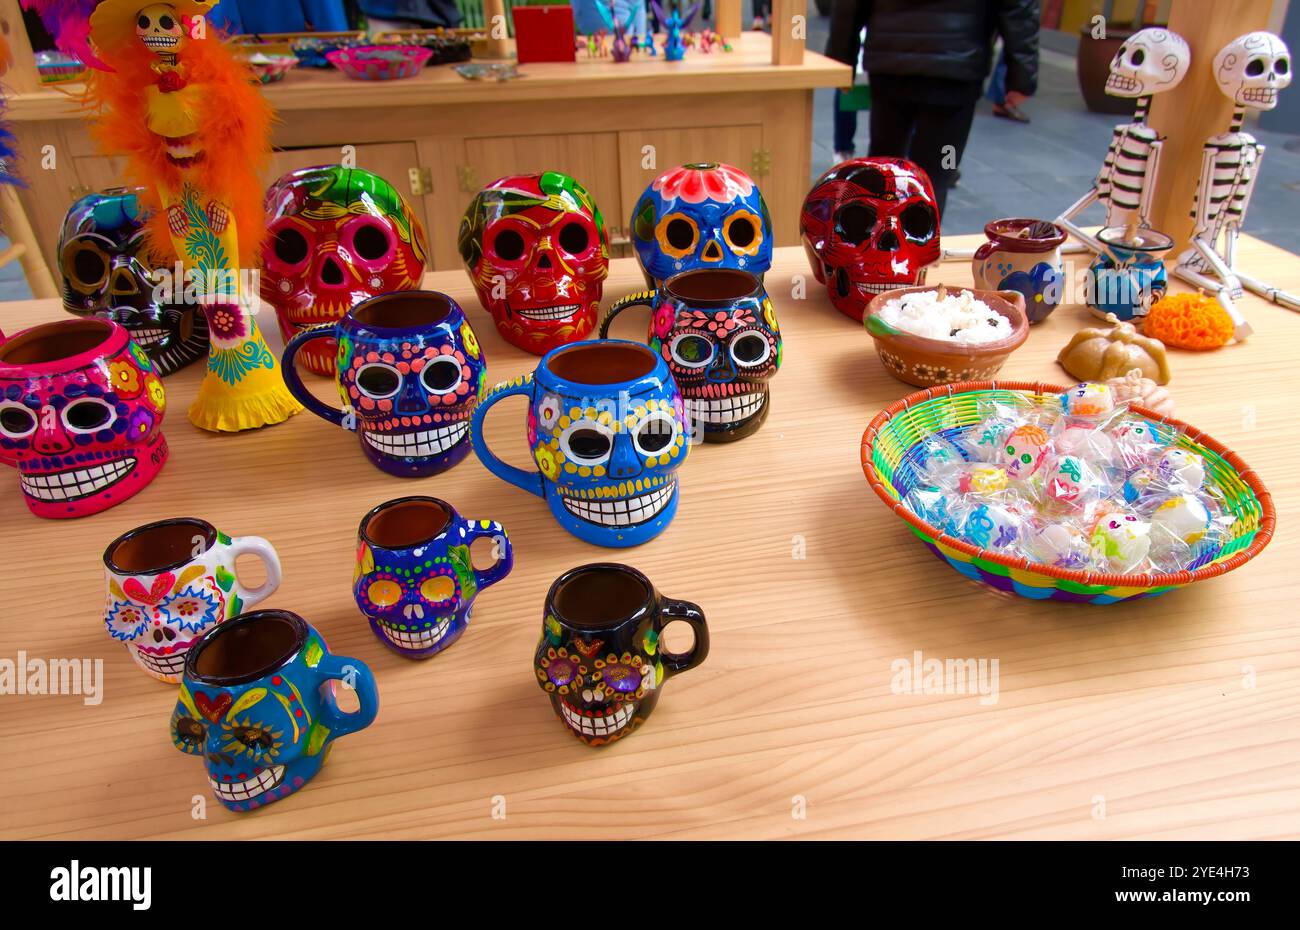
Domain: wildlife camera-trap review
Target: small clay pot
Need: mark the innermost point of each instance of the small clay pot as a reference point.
(926, 362)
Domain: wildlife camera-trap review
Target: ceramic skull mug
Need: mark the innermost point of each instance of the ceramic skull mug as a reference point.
(1252, 68)
(106, 273)
(1150, 61)
(537, 252)
(870, 225)
(81, 411)
(717, 331)
(704, 215)
(336, 236)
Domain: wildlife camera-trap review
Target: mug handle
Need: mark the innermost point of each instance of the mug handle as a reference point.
(255, 545)
(530, 481)
(357, 674)
(477, 529)
(671, 610)
(293, 380)
(639, 299)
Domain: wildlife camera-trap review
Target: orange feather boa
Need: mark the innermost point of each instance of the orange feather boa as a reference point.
(234, 135)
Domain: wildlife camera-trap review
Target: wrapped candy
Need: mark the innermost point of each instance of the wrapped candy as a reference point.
(1090, 399)
(1179, 468)
(1120, 541)
(1026, 447)
(1184, 517)
(990, 525)
(1070, 483)
(1063, 545)
(939, 460)
(931, 505)
(982, 479)
(1137, 442)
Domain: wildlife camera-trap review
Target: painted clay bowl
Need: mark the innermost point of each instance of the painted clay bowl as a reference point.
(380, 62)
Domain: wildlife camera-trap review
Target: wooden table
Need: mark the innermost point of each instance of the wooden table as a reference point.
(1168, 718)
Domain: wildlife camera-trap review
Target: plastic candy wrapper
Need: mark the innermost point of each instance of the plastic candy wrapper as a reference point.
(989, 524)
(1120, 541)
(938, 460)
(1138, 442)
(985, 442)
(1063, 545)
(1072, 484)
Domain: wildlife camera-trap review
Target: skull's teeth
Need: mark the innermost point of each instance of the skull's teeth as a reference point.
(605, 724)
(867, 288)
(263, 781)
(162, 665)
(627, 511)
(548, 313)
(77, 483)
(416, 639)
(146, 338)
(726, 410)
(415, 445)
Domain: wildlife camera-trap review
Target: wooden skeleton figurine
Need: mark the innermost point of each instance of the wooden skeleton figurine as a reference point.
(1151, 61)
(1250, 70)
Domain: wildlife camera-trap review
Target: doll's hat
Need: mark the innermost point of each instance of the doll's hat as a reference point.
(112, 25)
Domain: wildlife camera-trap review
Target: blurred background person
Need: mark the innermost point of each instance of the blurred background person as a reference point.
(845, 44)
(258, 16)
(1006, 104)
(409, 14)
(927, 61)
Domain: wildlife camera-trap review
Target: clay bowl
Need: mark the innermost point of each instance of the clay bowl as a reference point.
(925, 362)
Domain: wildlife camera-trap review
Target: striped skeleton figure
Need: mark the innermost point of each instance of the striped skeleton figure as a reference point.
(1250, 71)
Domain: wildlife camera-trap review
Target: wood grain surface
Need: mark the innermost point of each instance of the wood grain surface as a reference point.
(1174, 718)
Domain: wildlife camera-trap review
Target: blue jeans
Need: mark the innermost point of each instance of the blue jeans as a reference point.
(997, 91)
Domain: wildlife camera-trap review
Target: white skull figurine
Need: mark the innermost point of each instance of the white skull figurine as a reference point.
(159, 28)
(1150, 61)
(1251, 69)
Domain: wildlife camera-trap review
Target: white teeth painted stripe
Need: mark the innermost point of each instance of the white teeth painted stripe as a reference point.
(626, 511)
(878, 288)
(603, 725)
(548, 313)
(417, 639)
(77, 483)
(163, 665)
(148, 337)
(727, 409)
(429, 442)
(242, 791)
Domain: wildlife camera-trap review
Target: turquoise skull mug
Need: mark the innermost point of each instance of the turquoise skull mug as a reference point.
(606, 429)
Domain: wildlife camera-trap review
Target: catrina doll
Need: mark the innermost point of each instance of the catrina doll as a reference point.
(171, 96)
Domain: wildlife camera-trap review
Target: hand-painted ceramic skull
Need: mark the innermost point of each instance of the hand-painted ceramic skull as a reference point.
(81, 412)
(1150, 61)
(1252, 68)
(701, 216)
(537, 252)
(106, 273)
(870, 225)
(336, 237)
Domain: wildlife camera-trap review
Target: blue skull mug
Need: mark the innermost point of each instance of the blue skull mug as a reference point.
(606, 429)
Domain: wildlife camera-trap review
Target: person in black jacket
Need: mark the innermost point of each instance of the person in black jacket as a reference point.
(927, 61)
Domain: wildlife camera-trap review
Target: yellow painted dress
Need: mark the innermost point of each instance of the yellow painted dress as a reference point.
(243, 388)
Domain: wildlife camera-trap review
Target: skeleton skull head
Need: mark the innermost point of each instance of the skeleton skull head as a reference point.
(159, 28)
(1251, 69)
(1150, 61)
(870, 225)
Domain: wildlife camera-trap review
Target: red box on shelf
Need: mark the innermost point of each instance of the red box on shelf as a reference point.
(544, 33)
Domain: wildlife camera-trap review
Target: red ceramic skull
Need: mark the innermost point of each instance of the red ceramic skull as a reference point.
(870, 225)
(536, 249)
(337, 236)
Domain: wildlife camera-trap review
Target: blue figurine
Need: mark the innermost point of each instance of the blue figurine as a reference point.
(674, 46)
(622, 50)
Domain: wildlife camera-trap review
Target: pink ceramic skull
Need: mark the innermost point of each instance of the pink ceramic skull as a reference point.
(81, 410)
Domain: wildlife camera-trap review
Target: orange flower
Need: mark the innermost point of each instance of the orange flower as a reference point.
(124, 377)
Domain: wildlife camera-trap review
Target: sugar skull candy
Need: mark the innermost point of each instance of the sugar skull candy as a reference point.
(1120, 541)
(1090, 399)
(870, 225)
(704, 215)
(601, 695)
(1025, 450)
(336, 236)
(107, 273)
(87, 436)
(537, 252)
(1181, 469)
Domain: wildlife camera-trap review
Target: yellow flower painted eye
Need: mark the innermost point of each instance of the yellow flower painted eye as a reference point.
(384, 593)
(678, 235)
(744, 232)
(438, 588)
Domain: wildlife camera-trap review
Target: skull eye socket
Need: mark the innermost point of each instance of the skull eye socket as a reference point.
(144, 22)
(678, 235)
(89, 266)
(622, 677)
(384, 593)
(655, 433)
(88, 416)
(508, 245)
(918, 222)
(441, 375)
(1255, 67)
(166, 22)
(742, 231)
(437, 589)
(1137, 57)
(190, 732)
(371, 242)
(691, 351)
(587, 442)
(855, 222)
(254, 737)
(290, 246)
(574, 238)
(750, 349)
(16, 421)
(378, 381)
(561, 671)
(1281, 66)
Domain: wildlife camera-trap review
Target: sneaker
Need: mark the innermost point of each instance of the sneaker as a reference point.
(1006, 111)
(842, 156)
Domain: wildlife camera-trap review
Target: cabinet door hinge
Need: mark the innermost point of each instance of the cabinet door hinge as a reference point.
(421, 181)
(467, 179)
(760, 163)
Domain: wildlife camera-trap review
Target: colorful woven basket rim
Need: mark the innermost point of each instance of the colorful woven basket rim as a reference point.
(1267, 522)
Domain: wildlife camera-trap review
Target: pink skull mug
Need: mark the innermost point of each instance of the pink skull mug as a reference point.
(81, 411)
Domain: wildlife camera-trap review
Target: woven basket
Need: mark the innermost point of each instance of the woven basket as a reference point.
(890, 458)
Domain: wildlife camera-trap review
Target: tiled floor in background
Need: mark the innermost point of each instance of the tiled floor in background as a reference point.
(1033, 170)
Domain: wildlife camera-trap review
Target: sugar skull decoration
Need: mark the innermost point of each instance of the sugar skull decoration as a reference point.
(1252, 68)
(336, 236)
(107, 273)
(537, 252)
(1025, 450)
(870, 225)
(260, 709)
(81, 411)
(1120, 541)
(704, 215)
(1089, 399)
(1150, 61)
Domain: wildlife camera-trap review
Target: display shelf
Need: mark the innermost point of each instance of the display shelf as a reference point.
(1165, 718)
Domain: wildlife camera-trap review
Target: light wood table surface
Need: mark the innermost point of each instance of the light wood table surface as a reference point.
(1176, 718)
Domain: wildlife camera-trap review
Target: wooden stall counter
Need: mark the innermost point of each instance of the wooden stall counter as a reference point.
(1172, 718)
